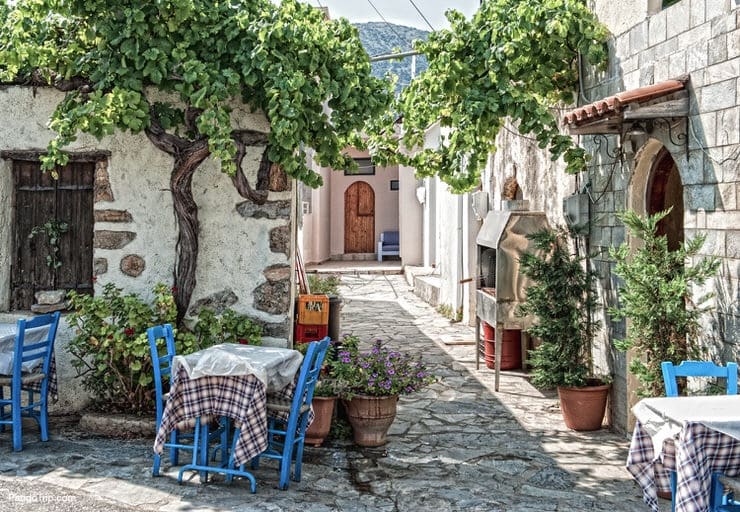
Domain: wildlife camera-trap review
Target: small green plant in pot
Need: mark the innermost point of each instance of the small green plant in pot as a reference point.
(561, 299)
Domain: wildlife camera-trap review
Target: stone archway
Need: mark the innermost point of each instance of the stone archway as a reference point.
(655, 186)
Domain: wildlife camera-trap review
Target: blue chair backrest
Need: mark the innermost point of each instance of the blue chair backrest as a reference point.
(698, 369)
(34, 351)
(309, 375)
(389, 237)
(162, 364)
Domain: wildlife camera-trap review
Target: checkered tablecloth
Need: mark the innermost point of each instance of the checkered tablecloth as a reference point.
(695, 453)
(239, 397)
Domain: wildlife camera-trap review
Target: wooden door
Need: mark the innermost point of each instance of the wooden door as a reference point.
(39, 198)
(359, 218)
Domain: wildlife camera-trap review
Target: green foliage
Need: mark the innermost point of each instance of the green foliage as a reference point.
(562, 299)
(324, 285)
(656, 299)
(448, 312)
(111, 350)
(206, 56)
(230, 327)
(53, 229)
(514, 59)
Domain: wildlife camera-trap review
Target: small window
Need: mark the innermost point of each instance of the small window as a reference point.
(668, 3)
(394, 184)
(365, 167)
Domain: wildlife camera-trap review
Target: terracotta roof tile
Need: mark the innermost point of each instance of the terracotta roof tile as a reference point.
(616, 104)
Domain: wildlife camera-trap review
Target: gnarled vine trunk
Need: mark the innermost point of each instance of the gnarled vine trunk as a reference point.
(188, 155)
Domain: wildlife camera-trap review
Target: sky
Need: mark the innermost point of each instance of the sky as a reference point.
(401, 12)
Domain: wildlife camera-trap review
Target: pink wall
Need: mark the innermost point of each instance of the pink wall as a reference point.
(386, 201)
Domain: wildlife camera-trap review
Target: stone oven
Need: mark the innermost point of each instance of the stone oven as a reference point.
(500, 288)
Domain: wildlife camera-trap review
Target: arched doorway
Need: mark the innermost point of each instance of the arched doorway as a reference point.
(655, 186)
(664, 191)
(359, 218)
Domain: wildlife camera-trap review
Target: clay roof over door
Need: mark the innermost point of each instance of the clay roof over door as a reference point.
(608, 112)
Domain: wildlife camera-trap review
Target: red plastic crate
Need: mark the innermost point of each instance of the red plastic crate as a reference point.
(307, 333)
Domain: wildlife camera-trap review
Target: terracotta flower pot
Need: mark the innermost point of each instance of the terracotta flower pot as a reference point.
(323, 410)
(583, 408)
(371, 417)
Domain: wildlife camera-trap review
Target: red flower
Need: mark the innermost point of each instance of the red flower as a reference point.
(243, 341)
(94, 278)
(173, 289)
(129, 331)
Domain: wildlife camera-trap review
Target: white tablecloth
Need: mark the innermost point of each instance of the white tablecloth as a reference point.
(275, 367)
(7, 344)
(664, 417)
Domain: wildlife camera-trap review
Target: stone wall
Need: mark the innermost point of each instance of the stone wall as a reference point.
(245, 249)
(700, 38)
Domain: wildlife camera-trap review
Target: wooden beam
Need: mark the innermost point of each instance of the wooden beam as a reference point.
(34, 155)
(666, 109)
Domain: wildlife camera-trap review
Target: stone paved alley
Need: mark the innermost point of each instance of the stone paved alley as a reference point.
(455, 446)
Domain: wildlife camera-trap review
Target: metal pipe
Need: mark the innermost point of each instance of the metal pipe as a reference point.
(391, 56)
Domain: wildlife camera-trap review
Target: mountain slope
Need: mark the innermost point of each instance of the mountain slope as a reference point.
(380, 38)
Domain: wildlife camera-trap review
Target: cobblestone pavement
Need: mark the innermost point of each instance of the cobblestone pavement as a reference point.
(455, 446)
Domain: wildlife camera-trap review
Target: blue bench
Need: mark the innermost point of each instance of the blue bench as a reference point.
(388, 244)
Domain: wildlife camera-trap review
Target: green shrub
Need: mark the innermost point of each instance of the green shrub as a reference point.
(656, 297)
(561, 297)
(111, 351)
(328, 285)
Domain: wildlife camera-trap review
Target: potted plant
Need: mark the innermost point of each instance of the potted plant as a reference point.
(562, 299)
(324, 399)
(656, 298)
(371, 382)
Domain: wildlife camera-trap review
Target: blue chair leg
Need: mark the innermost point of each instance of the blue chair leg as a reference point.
(673, 476)
(298, 460)
(717, 496)
(43, 417)
(286, 462)
(155, 464)
(16, 413)
(2, 409)
(173, 451)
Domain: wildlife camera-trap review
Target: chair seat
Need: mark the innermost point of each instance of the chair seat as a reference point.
(284, 406)
(26, 378)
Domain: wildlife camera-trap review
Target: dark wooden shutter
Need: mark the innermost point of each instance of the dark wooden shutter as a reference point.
(38, 199)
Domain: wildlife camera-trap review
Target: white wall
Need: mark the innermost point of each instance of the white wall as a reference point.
(410, 219)
(234, 250)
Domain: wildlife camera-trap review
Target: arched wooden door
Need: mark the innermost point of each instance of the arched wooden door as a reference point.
(359, 218)
(665, 191)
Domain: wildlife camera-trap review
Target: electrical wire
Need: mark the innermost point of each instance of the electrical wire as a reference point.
(390, 26)
(422, 15)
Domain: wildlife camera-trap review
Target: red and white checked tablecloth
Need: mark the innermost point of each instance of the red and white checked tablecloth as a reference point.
(239, 397)
(695, 454)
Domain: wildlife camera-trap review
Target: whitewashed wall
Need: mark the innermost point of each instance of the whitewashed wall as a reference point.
(235, 248)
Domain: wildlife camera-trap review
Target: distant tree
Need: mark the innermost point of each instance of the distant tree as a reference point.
(115, 59)
(514, 60)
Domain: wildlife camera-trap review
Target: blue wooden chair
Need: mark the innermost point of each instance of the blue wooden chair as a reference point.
(286, 436)
(182, 438)
(35, 355)
(700, 369)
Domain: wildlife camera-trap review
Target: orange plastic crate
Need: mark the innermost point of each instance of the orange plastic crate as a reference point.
(313, 309)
